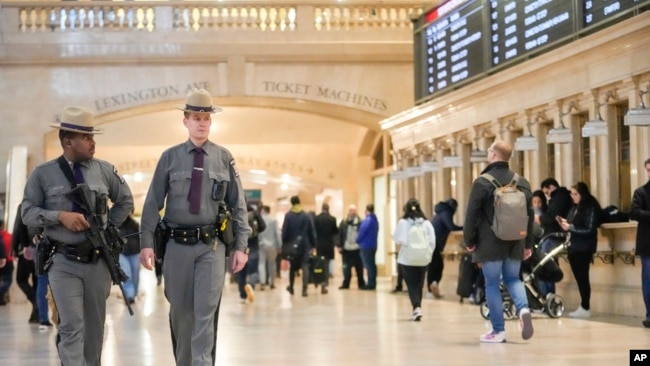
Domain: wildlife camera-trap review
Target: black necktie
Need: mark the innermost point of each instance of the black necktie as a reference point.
(197, 178)
(79, 179)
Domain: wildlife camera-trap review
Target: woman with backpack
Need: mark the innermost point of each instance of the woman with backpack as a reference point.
(417, 240)
(582, 222)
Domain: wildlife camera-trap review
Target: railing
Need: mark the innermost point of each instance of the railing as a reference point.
(77, 18)
(189, 16)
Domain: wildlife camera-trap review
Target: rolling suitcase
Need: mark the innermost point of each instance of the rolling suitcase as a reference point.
(467, 272)
(317, 269)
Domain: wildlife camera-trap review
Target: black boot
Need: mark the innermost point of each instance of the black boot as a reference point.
(33, 319)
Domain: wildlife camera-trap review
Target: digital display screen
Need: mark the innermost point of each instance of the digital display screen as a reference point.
(453, 46)
(464, 39)
(595, 11)
(518, 27)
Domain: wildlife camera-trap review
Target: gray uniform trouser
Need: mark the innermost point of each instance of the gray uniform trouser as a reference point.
(80, 291)
(194, 277)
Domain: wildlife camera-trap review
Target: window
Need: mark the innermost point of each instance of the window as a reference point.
(585, 174)
(550, 160)
(624, 180)
(379, 155)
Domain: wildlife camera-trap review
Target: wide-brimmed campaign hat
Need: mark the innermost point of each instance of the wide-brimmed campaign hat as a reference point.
(200, 101)
(77, 119)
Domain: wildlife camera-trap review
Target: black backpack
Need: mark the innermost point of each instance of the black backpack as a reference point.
(252, 222)
(612, 213)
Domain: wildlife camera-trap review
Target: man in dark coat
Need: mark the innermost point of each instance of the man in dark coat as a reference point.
(326, 234)
(640, 211)
(501, 260)
(559, 204)
(298, 226)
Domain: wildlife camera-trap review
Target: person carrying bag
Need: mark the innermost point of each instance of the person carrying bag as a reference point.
(415, 234)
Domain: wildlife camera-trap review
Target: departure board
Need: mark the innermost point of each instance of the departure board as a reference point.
(462, 40)
(454, 46)
(595, 11)
(518, 27)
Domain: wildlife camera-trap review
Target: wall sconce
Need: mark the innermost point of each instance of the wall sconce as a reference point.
(597, 127)
(561, 135)
(477, 156)
(527, 142)
(453, 160)
(413, 163)
(414, 171)
(429, 163)
(398, 173)
(638, 116)
(430, 166)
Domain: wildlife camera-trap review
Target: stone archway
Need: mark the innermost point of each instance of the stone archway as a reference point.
(303, 146)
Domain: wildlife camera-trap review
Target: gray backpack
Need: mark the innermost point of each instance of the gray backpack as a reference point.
(510, 221)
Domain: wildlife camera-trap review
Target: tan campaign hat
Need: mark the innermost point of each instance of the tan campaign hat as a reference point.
(200, 101)
(77, 119)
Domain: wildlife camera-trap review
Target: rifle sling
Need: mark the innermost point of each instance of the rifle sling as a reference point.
(65, 167)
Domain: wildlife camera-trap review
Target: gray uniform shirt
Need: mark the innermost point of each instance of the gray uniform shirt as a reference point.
(45, 197)
(170, 187)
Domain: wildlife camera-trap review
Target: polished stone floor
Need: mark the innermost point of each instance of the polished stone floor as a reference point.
(342, 328)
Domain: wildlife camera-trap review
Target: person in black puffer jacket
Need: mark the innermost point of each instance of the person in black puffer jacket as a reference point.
(582, 222)
(443, 224)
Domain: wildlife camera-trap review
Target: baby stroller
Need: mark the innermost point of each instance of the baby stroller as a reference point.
(538, 267)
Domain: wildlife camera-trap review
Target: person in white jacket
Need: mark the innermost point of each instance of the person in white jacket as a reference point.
(417, 240)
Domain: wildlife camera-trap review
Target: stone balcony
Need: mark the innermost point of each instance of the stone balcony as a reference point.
(47, 31)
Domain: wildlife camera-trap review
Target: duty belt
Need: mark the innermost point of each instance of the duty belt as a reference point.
(192, 234)
(82, 252)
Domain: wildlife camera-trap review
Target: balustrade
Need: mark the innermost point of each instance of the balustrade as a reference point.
(198, 16)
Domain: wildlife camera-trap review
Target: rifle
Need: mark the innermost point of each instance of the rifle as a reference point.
(107, 242)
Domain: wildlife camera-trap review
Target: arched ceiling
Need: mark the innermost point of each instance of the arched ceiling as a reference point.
(134, 139)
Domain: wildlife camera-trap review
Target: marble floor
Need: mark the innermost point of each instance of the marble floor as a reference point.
(342, 328)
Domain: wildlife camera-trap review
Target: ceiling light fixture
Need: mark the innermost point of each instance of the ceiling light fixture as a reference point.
(638, 116)
(597, 126)
(477, 155)
(561, 134)
(527, 142)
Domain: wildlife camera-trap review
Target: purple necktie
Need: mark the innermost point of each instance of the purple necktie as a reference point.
(79, 179)
(197, 178)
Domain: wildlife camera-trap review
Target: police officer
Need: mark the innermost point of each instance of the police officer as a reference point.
(80, 282)
(188, 181)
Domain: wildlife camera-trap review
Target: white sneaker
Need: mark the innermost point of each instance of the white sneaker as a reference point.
(526, 323)
(580, 313)
(417, 314)
(493, 337)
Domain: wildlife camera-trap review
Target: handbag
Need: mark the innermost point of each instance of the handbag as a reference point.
(291, 249)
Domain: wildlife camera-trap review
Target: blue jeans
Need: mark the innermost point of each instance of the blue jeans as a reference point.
(645, 284)
(546, 287)
(250, 270)
(131, 266)
(508, 269)
(368, 259)
(41, 300)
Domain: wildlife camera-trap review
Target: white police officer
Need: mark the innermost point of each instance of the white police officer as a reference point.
(185, 182)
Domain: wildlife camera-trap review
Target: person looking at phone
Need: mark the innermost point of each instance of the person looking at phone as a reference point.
(582, 222)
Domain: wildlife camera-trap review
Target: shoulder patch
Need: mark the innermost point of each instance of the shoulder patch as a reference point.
(119, 177)
(232, 165)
